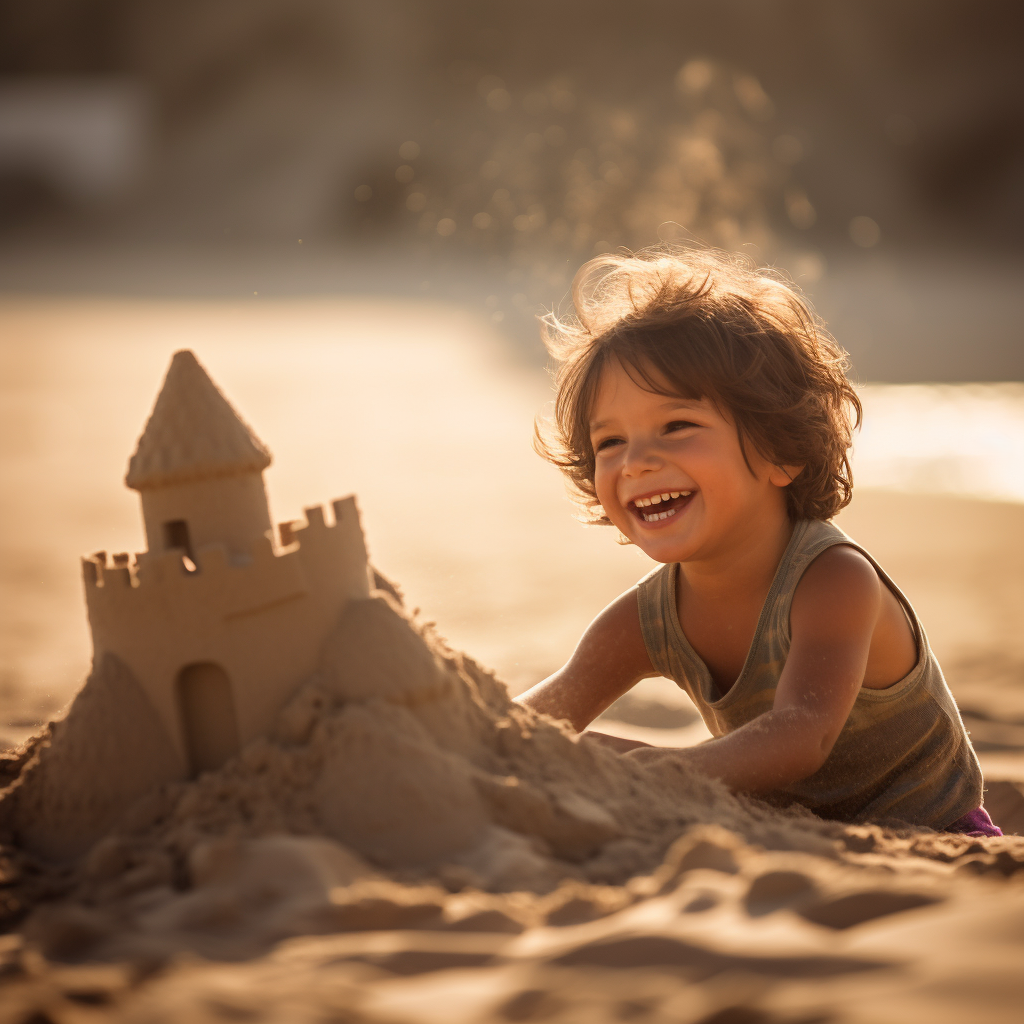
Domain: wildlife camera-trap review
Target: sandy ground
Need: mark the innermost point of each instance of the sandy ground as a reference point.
(422, 414)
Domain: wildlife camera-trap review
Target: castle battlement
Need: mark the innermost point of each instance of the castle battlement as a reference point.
(217, 623)
(211, 561)
(231, 583)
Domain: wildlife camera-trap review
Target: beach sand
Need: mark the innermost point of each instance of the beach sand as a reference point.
(511, 873)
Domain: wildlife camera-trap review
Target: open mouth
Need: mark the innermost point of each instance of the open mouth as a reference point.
(659, 506)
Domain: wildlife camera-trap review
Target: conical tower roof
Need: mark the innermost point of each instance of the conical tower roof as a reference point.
(193, 433)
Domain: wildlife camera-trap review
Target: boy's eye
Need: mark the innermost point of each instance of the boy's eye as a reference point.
(607, 442)
(679, 425)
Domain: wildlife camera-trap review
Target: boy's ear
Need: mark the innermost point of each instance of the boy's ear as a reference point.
(783, 476)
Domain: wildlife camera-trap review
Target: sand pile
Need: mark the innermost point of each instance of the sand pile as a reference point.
(401, 749)
(407, 819)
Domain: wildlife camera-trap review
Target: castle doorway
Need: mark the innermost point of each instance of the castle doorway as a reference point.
(208, 721)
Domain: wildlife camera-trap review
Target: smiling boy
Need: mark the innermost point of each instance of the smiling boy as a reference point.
(704, 412)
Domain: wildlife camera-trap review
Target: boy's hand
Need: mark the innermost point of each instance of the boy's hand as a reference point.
(617, 743)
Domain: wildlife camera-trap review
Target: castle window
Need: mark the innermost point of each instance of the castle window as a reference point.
(176, 536)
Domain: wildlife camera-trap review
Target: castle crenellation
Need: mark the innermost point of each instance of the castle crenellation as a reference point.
(101, 570)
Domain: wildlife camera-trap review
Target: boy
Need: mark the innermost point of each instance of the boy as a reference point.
(703, 411)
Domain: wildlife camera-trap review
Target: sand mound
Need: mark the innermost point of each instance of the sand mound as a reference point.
(416, 821)
(108, 752)
(404, 751)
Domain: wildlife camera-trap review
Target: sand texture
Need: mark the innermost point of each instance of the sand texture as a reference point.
(410, 846)
(405, 847)
(110, 750)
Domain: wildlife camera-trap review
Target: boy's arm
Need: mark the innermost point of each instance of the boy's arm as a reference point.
(609, 659)
(832, 620)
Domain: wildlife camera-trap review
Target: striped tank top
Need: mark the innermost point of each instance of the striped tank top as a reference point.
(903, 752)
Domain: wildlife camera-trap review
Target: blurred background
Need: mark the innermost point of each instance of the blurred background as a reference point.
(354, 212)
(481, 152)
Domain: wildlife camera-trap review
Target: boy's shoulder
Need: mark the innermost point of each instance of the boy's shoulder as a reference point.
(840, 582)
(841, 564)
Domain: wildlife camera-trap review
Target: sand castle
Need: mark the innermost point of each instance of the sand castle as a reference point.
(200, 640)
(217, 622)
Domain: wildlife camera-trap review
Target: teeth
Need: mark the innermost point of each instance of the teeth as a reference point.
(657, 499)
(659, 515)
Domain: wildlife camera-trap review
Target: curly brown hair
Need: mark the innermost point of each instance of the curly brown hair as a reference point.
(703, 324)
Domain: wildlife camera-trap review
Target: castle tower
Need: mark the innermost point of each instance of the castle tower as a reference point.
(198, 468)
(215, 622)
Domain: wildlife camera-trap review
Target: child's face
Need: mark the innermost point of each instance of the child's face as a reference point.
(670, 473)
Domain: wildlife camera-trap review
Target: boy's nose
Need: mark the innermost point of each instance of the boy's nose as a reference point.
(640, 457)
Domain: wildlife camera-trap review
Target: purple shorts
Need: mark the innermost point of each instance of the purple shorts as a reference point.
(975, 823)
